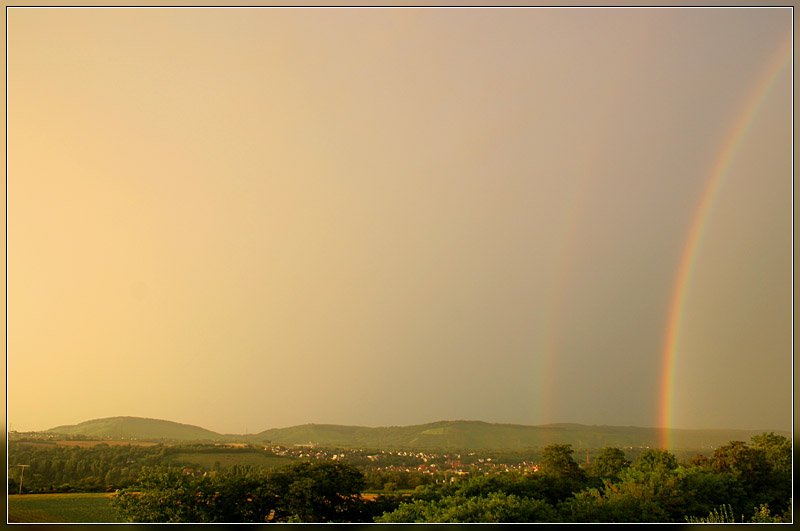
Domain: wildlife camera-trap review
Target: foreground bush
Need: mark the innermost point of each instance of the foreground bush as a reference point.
(303, 492)
(494, 507)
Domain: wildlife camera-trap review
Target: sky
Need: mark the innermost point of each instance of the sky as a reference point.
(255, 218)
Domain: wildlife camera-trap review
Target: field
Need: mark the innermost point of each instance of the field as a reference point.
(226, 459)
(89, 444)
(61, 508)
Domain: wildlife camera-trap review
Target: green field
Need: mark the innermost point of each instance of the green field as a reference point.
(227, 459)
(61, 508)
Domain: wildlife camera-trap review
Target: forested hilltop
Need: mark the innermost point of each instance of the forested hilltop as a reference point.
(459, 434)
(138, 428)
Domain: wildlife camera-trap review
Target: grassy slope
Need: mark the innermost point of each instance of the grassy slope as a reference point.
(61, 508)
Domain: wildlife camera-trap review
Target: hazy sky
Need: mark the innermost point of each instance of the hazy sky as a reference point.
(254, 218)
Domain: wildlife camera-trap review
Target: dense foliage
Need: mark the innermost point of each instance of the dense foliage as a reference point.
(739, 481)
(303, 492)
(57, 468)
(94, 467)
(751, 483)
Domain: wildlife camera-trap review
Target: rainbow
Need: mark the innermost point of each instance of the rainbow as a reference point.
(557, 306)
(779, 60)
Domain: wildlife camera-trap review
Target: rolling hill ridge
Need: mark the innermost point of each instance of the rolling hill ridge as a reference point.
(461, 434)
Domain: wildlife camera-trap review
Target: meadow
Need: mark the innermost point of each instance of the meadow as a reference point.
(212, 460)
(61, 508)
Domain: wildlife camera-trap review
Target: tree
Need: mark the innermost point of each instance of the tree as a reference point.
(705, 490)
(738, 458)
(777, 452)
(557, 461)
(649, 489)
(700, 460)
(318, 492)
(609, 464)
(750, 467)
(629, 501)
(559, 475)
(586, 506)
(654, 463)
(167, 496)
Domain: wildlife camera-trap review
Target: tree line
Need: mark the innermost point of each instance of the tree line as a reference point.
(56, 468)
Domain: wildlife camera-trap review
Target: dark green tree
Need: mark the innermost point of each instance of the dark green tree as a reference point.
(751, 468)
(559, 476)
(777, 488)
(609, 464)
(705, 490)
(557, 462)
(649, 486)
(318, 492)
(586, 506)
(777, 451)
(654, 463)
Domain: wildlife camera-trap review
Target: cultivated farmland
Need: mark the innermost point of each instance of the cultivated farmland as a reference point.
(61, 508)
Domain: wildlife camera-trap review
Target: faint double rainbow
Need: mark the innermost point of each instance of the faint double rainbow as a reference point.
(779, 61)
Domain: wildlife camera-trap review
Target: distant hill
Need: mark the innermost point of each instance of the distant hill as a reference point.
(463, 434)
(458, 434)
(138, 428)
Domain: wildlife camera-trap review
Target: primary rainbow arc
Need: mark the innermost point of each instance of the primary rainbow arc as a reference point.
(683, 279)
